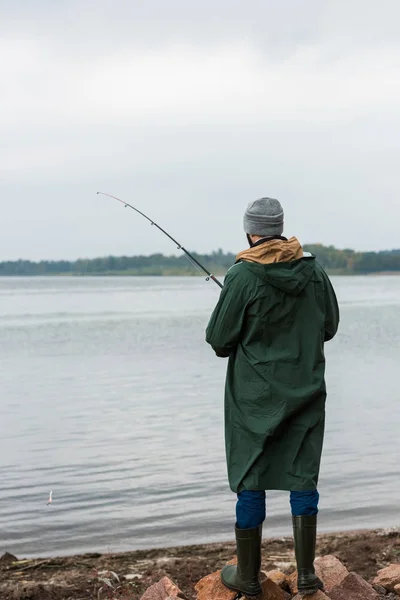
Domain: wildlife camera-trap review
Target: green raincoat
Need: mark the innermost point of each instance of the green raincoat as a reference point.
(272, 321)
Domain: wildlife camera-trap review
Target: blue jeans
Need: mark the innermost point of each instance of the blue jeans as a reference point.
(250, 507)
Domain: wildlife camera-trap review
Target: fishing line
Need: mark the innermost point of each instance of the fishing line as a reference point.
(190, 256)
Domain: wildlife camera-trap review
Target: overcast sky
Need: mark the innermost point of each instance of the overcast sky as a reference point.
(189, 110)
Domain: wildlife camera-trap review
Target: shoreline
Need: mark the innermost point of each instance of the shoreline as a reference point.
(78, 577)
(218, 274)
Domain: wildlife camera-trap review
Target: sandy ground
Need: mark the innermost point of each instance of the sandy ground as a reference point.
(81, 577)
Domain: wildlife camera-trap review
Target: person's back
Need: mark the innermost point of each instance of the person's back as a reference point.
(275, 313)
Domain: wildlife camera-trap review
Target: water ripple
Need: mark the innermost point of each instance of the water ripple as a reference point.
(111, 399)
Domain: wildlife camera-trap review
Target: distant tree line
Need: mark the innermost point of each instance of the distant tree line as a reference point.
(333, 260)
(155, 264)
(355, 263)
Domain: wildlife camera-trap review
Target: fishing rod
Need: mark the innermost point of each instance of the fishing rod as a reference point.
(190, 256)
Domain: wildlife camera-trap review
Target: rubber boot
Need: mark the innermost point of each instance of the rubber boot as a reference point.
(305, 536)
(245, 577)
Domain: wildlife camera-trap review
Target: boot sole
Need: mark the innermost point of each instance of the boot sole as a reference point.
(246, 594)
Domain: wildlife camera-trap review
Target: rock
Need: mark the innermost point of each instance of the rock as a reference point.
(8, 558)
(328, 568)
(162, 590)
(291, 581)
(397, 589)
(317, 596)
(353, 587)
(270, 590)
(212, 588)
(277, 577)
(388, 577)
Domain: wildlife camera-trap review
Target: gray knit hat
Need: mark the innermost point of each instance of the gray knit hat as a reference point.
(263, 217)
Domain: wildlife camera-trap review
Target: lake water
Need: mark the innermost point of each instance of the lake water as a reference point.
(111, 398)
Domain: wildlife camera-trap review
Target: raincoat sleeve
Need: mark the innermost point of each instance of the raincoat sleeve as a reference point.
(224, 329)
(331, 309)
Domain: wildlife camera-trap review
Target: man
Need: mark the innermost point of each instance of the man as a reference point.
(275, 312)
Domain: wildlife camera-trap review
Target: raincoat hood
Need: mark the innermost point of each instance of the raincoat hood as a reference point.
(281, 263)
